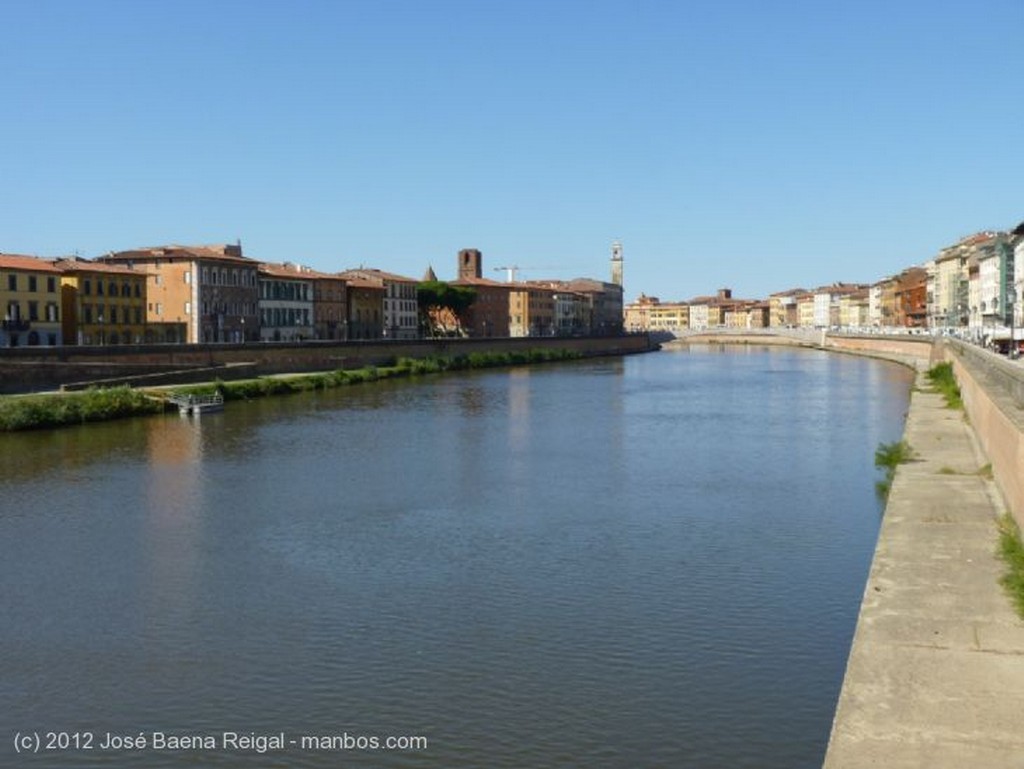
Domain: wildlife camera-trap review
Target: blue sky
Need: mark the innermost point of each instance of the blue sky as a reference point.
(758, 145)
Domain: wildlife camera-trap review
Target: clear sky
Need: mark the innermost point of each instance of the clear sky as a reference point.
(755, 144)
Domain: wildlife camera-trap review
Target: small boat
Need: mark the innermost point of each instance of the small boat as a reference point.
(193, 405)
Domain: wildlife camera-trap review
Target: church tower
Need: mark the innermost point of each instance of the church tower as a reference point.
(617, 263)
(470, 264)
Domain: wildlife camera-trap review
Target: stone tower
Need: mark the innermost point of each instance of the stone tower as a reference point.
(617, 263)
(470, 264)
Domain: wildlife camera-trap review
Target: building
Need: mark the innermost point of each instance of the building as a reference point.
(995, 258)
(401, 310)
(782, 308)
(285, 303)
(604, 301)
(31, 301)
(212, 290)
(102, 304)
(911, 298)
(489, 315)
(330, 306)
(531, 309)
(365, 303)
(949, 304)
(853, 309)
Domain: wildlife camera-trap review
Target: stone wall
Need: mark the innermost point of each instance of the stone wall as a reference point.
(992, 389)
(47, 368)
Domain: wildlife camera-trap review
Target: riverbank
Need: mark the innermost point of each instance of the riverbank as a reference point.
(52, 410)
(935, 675)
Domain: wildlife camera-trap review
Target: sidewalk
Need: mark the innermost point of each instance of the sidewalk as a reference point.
(935, 676)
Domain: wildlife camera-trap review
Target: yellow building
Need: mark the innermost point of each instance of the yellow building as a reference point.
(30, 300)
(102, 304)
(531, 310)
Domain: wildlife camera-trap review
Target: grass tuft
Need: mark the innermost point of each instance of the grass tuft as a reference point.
(943, 382)
(1011, 550)
(888, 456)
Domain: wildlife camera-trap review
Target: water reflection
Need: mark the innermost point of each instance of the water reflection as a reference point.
(651, 561)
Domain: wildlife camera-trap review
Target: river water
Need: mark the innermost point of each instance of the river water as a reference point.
(654, 561)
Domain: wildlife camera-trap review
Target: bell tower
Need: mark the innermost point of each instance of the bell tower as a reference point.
(470, 264)
(617, 263)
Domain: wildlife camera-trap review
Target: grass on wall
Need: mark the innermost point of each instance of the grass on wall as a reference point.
(889, 456)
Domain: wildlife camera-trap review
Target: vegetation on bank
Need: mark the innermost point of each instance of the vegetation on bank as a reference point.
(889, 456)
(61, 409)
(1011, 550)
(31, 412)
(943, 381)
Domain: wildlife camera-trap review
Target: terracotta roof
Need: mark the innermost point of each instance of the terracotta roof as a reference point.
(367, 273)
(355, 282)
(30, 263)
(86, 265)
(482, 282)
(227, 252)
(287, 270)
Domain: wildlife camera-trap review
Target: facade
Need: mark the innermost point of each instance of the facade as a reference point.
(212, 290)
(853, 309)
(31, 302)
(911, 298)
(604, 301)
(285, 303)
(365, 304)
(531, 310)
(670, 317)
(102, 304)
(401, 311)
(995, 259)
(572, 313)
(330, 306)
(950, 304)
(782, 308)
(636, 315)
(805, 310)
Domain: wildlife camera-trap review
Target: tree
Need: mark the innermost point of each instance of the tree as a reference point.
(442, 307)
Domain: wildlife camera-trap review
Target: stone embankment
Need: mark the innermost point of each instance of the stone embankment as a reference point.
(935, 676)
(47, 368)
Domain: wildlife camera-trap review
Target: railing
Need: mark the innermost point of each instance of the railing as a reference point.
(16, 325)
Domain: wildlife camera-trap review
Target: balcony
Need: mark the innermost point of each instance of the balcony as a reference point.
(16, 325)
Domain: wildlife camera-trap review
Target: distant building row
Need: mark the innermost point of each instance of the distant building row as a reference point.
(974, 285)
(211, 294)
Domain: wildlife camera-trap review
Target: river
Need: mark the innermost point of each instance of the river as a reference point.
(638, 562)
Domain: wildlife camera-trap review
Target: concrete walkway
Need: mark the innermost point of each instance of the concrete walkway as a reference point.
(935, 676)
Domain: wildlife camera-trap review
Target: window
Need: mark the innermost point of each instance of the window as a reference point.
(158, 279)
(138, 290)
(87, 287)
(51, 285)
(188, 308)
(113, 314)
(99, 288)
(32, 284)
(12, 282)
(159, 308)
(51, 312)
(33, 310)
(188, 276)
(126, 289)
(87, 313)
(113, 289)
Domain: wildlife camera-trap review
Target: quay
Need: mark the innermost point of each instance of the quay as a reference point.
(935, 676)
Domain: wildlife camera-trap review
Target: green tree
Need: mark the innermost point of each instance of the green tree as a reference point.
(442, 306)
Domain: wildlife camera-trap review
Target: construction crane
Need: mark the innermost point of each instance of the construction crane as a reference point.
(510, 270)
